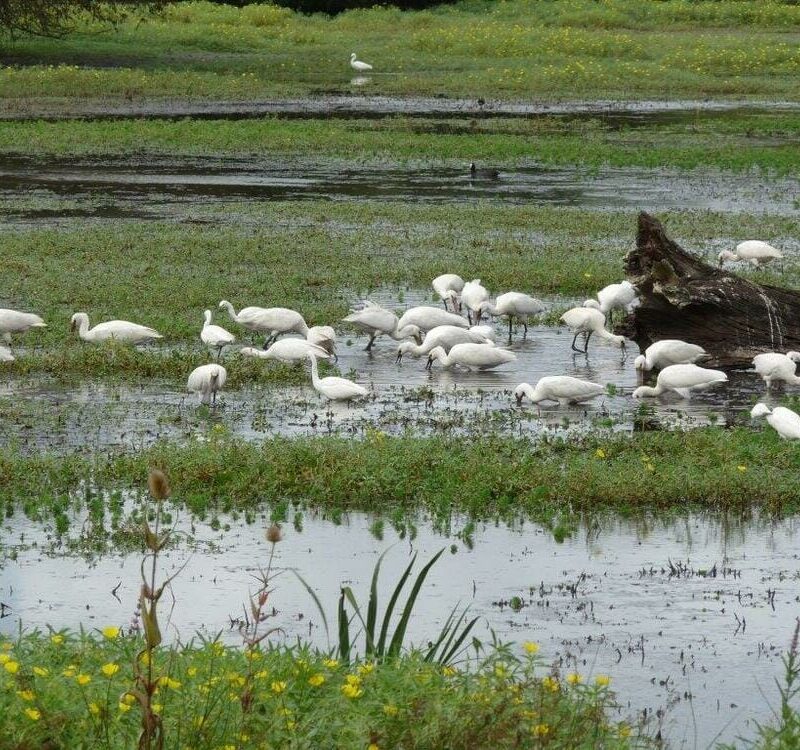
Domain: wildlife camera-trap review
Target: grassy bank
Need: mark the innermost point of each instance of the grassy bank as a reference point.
(551, 482)
(78, 691)
(740, 142)
(475, 48)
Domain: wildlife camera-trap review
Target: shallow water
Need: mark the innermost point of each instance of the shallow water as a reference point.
(159, 187)
(701, 643)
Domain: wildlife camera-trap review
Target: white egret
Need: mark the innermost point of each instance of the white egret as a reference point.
(752, 251)
(334, 388)
(773, 366)
(427, 318)
(561, 388)
(784, 421)
(683, 380)
(206, 381)
(290, 351)
(118, 330)
(445, 336)
(448, 286)
(377, 320)
(215, 337)
(669, 352)
(587, 321)
(358, 64)
(473, 295)
(472, 356)
(14, 321)
(514, 305)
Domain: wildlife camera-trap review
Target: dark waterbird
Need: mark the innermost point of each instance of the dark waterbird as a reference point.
(483, 174)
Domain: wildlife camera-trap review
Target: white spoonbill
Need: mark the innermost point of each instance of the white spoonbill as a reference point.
(587, 321)
(333, 388)
(472, 356)
(448, 286)
(668, 352)
(14, 321)
(683, 379)
(427, 318)
(445, 336)
(358, 65)
(215, 337)
(323, 337)
(620, 296)
(753, 251)
(473, 295)
(514, 305)
(290, 351)
(377, 320)
(561, 388)
(119, 330)
(784, 421)
(206, 381)
(6, 354)
(773, 366)
(270, 320)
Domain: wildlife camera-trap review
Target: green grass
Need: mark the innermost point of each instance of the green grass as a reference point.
(53, 692)
(165, 275)
(738, 142)
(513, 49)
(551, 482)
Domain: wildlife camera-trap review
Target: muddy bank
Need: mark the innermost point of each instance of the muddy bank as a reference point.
(612, 113)
(158, 186)
(689, 616)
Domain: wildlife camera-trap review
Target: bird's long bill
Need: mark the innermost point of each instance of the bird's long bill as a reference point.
(72, 325)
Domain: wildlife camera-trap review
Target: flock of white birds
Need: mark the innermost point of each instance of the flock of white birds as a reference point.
(447, 337)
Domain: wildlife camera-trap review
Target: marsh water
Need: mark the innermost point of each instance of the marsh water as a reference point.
(689, 615)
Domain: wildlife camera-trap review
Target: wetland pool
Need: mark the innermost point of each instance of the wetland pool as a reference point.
(689, 615)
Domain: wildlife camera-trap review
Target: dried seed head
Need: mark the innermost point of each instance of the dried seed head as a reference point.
(274, 534)
(158, 484)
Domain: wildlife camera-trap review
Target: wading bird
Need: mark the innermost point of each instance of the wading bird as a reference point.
(448, 286)
(514, 305)
(561, 388)
(445, 336)
(427, 318)
(683, 380)
(784, 421)
(473, 295)
(334, 388)
(753, 251)
(586, 321)
(773, 367)
(668, 352)
(206, 381)
(472, 356)
(361, 67)
(118, 330)
(215, 337)
(272, 321)
(620, 296)
(290, 351)
(482, 174)
(14, 321)
(376, 320)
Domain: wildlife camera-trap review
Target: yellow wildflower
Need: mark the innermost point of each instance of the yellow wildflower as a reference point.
(157, 708)
(70, 671)
(600, 453)
(192, 671)
(390, 709)
(602, 680)
(128, 699)
(262, 675)
(33, 714)
(12, 667)
(57, 639)
(124, 707)
(741, 468)
(94, 709)
(448, 671)
(500, 670)
(373, 746)
(550, 683)
(110, 669)
(331, 663)
(290, 725)
(573, 678)
(4, 658)
(316, 679)
(41, 671)
(541, 730)
(624, 730)
(353, 679)
(352, 691)
(278, 687)
(110, 632)
(530, 647)
(365, 669)
(26, 695)
(83, 679)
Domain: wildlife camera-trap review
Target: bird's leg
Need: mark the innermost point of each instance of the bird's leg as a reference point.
(371, 341)
(214, 400)
(469, 316)
(574, 339)
(510, 320)
(586, 344)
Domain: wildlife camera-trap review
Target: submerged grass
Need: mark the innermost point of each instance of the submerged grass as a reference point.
(475, 48)
(511, 479)
(740, 141)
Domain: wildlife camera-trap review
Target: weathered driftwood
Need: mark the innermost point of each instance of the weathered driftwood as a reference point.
(684, 298)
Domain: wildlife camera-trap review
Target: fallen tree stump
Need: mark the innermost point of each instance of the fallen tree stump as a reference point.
(682, 297)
